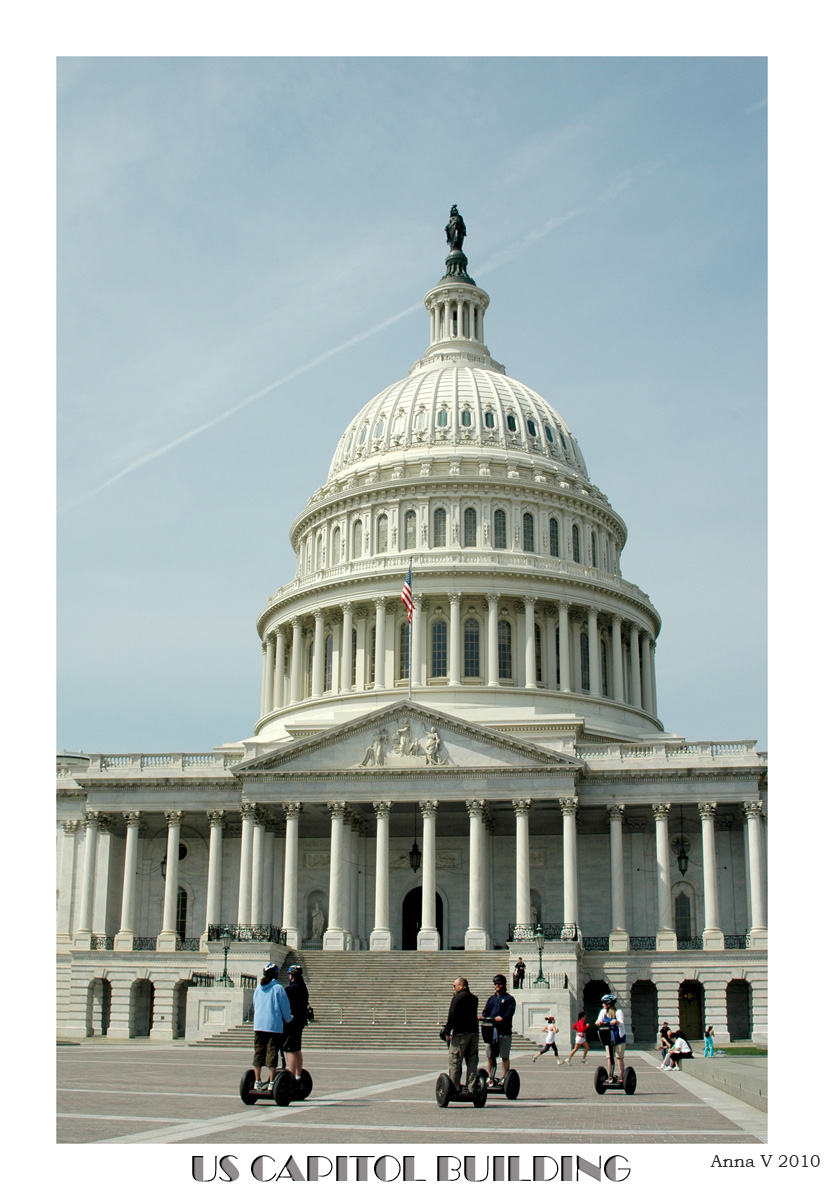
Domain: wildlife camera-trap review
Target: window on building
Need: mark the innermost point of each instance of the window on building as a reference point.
(354, 657)
(182, 912)
(563, 439)
(410, 531)
(604, 661)
(584, 661)
(357, 539)
(594, 548)
(499, 529)
(466, 416)
(335, 547)
(470, 524)
(372, 654)
(576, 544)
(403, 651)
(443, 418)
(557, 657)
(531, 429)
(382, 540)
(539, 678)
(439, 527)
(327, 664)
(489, 419)
(504, 650)
(379, 429)
(529, 533)
(472, 648)
(683, 915)
(310, 658)
(553, 538)
(548, 433)
(420, 419)
(438, 649)
(511, 423)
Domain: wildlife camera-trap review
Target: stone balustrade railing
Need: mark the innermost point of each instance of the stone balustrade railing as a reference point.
(207, 761)
(622, 753)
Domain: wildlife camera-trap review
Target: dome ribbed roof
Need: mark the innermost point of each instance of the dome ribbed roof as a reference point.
(448, 407)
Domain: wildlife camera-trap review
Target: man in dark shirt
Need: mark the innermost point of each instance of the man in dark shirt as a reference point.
(462, 1031)
(298, 996)
(500, 1009)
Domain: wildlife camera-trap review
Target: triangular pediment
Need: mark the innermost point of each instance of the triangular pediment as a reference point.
(405, 737)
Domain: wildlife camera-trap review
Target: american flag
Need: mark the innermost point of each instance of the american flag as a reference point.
(406, 594)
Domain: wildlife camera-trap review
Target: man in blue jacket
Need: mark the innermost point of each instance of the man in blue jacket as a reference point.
(272, 1011)
(500, 1009)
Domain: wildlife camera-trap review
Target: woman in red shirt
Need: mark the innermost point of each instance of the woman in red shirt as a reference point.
(580, 1030)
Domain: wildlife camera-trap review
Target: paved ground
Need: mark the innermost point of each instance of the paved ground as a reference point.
(127, 1093)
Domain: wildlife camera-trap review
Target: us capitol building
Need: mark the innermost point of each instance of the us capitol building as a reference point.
(492, 775)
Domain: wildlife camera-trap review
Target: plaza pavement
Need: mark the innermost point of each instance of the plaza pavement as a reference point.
(131, 1093)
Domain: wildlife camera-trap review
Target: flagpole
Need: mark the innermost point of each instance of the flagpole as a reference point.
(409, 644)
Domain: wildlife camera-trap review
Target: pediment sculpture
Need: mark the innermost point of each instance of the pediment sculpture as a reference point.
(404, 744)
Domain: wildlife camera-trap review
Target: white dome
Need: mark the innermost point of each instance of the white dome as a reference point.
(451, 406)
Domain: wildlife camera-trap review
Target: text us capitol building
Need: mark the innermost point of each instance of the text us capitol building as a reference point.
(489, 780)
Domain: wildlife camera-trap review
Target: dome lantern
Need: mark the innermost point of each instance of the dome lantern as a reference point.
(456, 307)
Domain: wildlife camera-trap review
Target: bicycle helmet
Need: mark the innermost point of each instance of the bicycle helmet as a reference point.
(610, 998)
(272, 968)
(499, 979)
(295, 969)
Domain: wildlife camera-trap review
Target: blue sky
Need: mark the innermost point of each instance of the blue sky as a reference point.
(226, 225)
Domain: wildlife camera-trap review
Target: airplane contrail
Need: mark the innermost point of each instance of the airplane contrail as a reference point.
(497, 260)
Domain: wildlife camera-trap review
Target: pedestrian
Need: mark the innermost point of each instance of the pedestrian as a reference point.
(580, 1031)
(551, 1031)
(499, 1009)
(518, 973)
(461, 1034)
(665, 1040)
(272, 1011)
(709, 1044)
(680, 1049)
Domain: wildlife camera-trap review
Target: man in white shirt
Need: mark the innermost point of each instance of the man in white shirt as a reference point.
(614, 1017)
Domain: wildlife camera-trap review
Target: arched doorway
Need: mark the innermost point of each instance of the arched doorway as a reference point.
(739, 1010)
(691, 1009)
(98, 1008)
(411, 918)
(644, 1001)
(593, 991)
(181, 994)
(142, 1007)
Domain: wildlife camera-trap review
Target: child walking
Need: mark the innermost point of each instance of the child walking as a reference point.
(551, 1031)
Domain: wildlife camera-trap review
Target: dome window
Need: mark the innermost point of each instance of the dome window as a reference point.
(531, 428)
(489, 419)
(420, 419)
(585, 662)
(466, 417)
(379, 429)
(548, 433)
(403, 656)
(576, 544)
(439, 528)
(553, 538)
(443, 418)
(382, 539)
(410, 531)
(539, 678)
(472, 649)
(327, 664)
(511, 423)
(529, 533)
(438, 649)
(563, 440)
(362, 437)
(500, 529)
(470, 524)
(357, 539)
(504, 650)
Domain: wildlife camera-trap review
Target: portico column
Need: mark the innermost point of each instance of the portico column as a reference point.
(101, 877)
(294, 662)
(289, 921)
(346, 883)
(214, 881)
(244, 894)
(489, 825)
(635, 667)
(476, 937)
(530, 674)
(415, 649)
(492, 640)
(646, 674)
(167, 938)
(334, 937)
(618, 936)
(124, 938)
(523, 897)
(270, 675)
(268, 861)
(83, 932)
(280, 666)
(551, 652)
(652, 672)
(563, 645)
(569, 812)
(455, 672)
(317, 660)
(264, 649)
(64, 903)
(428, 936)
(257, 868)
(665, 938)
(381, 936)
(757, 937)
(594, 656)
(346, 648)
(713, 935)
(380, 642)
(617, 661)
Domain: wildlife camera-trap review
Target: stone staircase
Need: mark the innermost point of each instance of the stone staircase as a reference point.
(360, 997)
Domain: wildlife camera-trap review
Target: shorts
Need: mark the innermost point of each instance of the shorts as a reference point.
(293, 1039)
(267, 1045)
(500, 1048)
(619, 1048)
(580, 1040)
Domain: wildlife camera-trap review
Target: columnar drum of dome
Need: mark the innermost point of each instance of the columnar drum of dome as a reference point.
(522, 617)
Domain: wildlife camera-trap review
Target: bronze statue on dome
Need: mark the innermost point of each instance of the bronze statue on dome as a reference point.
(455, 230)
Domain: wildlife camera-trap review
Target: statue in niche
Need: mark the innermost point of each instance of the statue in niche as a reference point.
(432, 748)
(455, 229)
(375, 756)
(318, 921)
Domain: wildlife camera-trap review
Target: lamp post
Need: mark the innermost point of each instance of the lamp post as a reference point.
(415, 855)
(226, 938)
(540, 940)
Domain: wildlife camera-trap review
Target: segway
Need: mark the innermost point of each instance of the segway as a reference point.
(282, 1091)
(605, 1081)
(446, 1093)
(300, 1087)
(510, 1085)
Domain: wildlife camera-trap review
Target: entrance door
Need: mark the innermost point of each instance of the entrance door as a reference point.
(411, 918)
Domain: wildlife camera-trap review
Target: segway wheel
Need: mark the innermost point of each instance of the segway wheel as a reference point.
(247, 1083)
(480, 1093)
(601, 1078)
(512, 1084)
(283, 1088)
(443, 1090)
(630, 1081)
(301, 1090)
(484, 1074)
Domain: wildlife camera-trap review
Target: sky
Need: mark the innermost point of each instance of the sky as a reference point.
(243, 247)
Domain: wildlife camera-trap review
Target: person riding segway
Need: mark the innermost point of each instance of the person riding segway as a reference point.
(272, 1011)
(298, 996)
(496, 1031)
(612, 1035)
(461, 1035)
